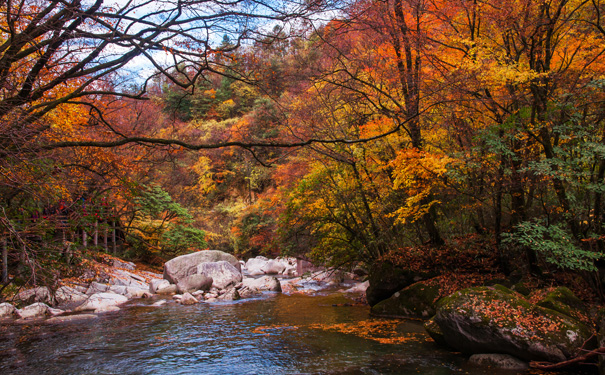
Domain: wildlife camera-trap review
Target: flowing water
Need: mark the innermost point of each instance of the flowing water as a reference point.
(274, 334)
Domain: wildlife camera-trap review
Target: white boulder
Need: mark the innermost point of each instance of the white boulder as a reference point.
(102, 300)
(265, 283)
(255, 265)
(185, 265)
(8, 311)
(223, 273)
(66, 294)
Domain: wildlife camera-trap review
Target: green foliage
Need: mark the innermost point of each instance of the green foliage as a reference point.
(162, 225)
(554, 243)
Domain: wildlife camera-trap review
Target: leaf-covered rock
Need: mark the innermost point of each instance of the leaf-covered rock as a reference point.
(498, 320)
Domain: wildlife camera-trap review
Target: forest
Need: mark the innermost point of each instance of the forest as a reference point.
(464, 133)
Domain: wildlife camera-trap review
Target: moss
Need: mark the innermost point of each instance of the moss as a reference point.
(563, 300)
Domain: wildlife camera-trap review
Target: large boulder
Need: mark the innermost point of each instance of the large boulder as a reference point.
(37, 310)
(126, 278)
(185, 265)
(265, 283)
(386, 279)
(415, 301)
(101, 301)
(255, 265)
(223, 273)
(8, 311)
(66, 295)
(273, 267)
(38, 294)
(195, 282)
(498, 320)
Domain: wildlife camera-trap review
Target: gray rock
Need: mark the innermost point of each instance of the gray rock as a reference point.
(126, 265)
(34, 311)
(125, 278)
(484, 319)
(185, 265)
(255, 265)
(101, 301)
(96, 287)
(195, 282)
(230, 295)
(38, 294)
(170, 289)
(501, 361)
(273, 267)
(157, 284)
(223, 273)
(66, 295)
(265, 283)
(188, 299)
(8, 311)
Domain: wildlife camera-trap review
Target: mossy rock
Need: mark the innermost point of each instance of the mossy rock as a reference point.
(435, 332)
(563, 300)
(520, 287)
(496, 319)
(415, 301)
(386, 279)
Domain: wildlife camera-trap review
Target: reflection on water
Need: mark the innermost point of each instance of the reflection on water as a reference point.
(276, 334)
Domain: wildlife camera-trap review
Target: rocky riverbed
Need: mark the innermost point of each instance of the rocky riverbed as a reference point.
(207, 276)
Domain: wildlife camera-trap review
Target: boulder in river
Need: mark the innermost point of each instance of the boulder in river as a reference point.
(188, 299)
(194, 282)
(273, 267)
(498, 320)
(255, 265)
(223, 273)
(185, 265)
(101, 301)
(38, 310)
(265, 283)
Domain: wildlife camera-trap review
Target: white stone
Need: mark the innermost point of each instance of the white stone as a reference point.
(273, 267)
(255, 265)
(265, 283)
(106, 309)
(156, 284)
(188, 299)
(185, 265)
(67, 294)
(8, 311)
(101, 300)
(96, 287)
(33, 311)
(38, 294)
(159, 303)
(126, 265)
(71, 318)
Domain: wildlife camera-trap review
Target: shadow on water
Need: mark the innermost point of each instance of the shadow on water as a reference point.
(276, 334)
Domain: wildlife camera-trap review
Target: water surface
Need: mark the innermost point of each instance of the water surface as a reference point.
(275, 334)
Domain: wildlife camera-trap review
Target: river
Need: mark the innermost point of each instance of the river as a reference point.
(273, 334)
